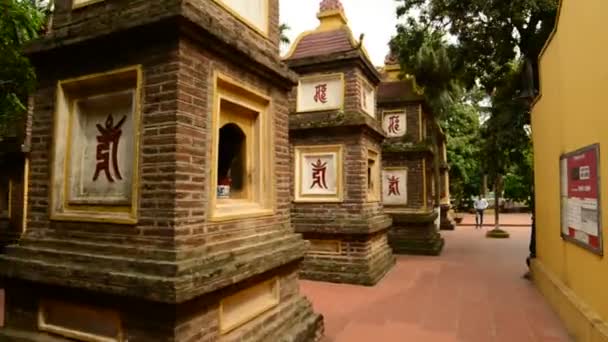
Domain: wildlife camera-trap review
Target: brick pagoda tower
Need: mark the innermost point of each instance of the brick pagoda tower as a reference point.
(336, 155)
(408, 164)
(159, 183)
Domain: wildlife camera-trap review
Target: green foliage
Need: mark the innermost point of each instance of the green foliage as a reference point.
(505, 137)
(490, 33)
(283, 28)
(463, 150)
(20, 22)
(426, 55)
(519, 180)
(494, 46)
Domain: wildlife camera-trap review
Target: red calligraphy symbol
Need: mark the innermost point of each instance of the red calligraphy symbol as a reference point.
(321, 93)
(393, 125)
(108, 135)
(393, 186)
(318, 174)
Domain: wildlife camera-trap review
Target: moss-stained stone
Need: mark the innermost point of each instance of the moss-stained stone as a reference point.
(446, 221)
(330, 119)
(365, 270)
(415, 233)
(405, 147)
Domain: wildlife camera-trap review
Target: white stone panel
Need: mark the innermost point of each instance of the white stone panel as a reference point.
(394, 123)
(319, 174)
(394, 186)
(102, 147)
(324, 92)
(255, 12)
(368, 99)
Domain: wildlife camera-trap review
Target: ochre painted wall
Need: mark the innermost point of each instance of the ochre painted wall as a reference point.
(572, 113)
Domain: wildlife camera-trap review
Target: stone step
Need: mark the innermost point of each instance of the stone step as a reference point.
(203, 275)
(130, 264)
(94, 247)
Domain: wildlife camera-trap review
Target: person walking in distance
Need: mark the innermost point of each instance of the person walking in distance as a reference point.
(480, 205)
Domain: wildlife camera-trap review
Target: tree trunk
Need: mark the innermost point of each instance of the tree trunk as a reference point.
(484, 186)
(497, 189)
(436, 161)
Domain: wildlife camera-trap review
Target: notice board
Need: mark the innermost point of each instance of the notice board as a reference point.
(580, 198)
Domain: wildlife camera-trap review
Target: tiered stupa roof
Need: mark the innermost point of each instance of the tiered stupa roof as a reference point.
(332, 36)
(393, 87)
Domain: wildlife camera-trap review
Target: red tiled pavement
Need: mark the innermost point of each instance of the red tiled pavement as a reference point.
(473, 292)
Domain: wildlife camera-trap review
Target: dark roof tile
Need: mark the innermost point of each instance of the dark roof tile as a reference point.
(323, 43)
(398, 91)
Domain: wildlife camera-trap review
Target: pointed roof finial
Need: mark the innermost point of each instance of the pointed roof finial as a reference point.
(331, 5)
(331, 14)
(391, 58)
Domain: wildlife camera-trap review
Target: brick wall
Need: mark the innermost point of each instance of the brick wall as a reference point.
(195, 320)
(177, 78)
(110, 15)
(413, 161)
(173, 239)
(160, 72)
(415, 199)
(331, 217)
(363, 259)
(412, 133)
(194, 106)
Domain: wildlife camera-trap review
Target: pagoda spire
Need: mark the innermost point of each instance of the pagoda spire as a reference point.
(331, 5)
(391, 58)
(331, 14)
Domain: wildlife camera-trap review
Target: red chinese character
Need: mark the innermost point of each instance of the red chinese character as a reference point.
(393, 186)
(393, 125)
(321, 93)
(318, 174)
(110, 135)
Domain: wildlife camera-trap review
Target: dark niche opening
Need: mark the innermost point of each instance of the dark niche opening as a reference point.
(232, 158)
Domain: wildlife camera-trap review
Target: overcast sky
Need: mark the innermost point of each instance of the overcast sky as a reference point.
(375, 18)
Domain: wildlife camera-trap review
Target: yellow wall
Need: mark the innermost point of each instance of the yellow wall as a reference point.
(572, 113)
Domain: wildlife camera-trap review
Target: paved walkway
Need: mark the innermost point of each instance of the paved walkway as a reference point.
(474, 292)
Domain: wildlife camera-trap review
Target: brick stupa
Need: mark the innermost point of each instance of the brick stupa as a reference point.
(335, 140)
(408, 163)
(158, 205)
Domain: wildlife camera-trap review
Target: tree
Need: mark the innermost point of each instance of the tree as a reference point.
(496, 47)
(506, 141)
(463, 134)
(425, 55)
(20, 22)
(519, 179)
(490, 33)
(283, 28)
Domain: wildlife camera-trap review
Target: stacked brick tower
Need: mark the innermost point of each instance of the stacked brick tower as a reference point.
(408, 167)
(336, 154)
(159, 204)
